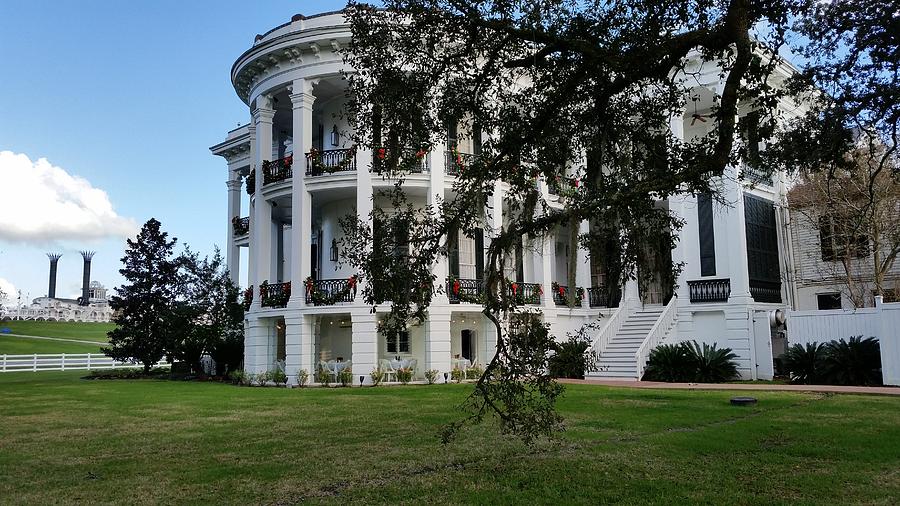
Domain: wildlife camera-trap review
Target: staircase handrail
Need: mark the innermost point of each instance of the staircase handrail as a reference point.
(657, 333)
(611, 328)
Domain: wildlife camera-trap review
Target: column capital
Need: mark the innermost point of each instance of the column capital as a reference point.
(302, 100)
(233, 185)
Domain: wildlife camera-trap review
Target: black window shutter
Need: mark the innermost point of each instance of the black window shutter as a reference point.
(453, 246)
(520, 264)
(707, 237)
(479, 253)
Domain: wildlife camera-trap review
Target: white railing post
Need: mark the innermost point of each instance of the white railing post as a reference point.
(34, 363)
(4, 362)
(63, 362)
(89, 361)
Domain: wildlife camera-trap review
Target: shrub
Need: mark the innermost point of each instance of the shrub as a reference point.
(457, 374)
(431, 376)
(302, 378)
(572, 358)
(805, 364)
(237, 377)
(278, 376)
(263, 378)
(689, 361)
(853, 362)
(377, 376)
(346, 377)
(473, 373)
(712, 365)
(323, 376)
(404, 375)
(670, 363)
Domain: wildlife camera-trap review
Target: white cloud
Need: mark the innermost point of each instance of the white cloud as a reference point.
(9, 290)
(40, 203)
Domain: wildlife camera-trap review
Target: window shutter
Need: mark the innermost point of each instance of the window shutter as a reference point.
(453, 246)
(479, 253)
(707, 236)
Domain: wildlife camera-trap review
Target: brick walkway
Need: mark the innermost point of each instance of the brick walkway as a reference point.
(738, 386)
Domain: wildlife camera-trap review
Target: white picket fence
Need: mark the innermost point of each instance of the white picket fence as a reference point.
(63, 362)
(881, 322)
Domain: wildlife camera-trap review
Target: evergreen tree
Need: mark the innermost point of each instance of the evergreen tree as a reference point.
(144, 305)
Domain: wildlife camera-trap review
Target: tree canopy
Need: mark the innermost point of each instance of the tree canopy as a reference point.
(578, 94)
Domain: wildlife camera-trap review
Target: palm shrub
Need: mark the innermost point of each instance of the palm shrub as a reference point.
(853, 362)
(377, 376)
(572, 358)
(711, 364)
(670, 363)
(805, 364)
(346, 377)
(302, 378)
(457, 374)
(262, 378)
(323, 376)
(279, 377)
(431, 376)
(404, 375)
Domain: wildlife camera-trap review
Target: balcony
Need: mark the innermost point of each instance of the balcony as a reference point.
(274, 294)
(328, 292)
(456, 162)
(709, 290)
(329, 161)
(765, 291)
(602, 296)
(524, 293)
(465, 290)
(240, 226)
(409, 160)
(278, 170)
(561, 295)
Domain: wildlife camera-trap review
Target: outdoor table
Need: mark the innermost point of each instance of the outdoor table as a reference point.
(461, 363)
(337, 367)
(400, 364)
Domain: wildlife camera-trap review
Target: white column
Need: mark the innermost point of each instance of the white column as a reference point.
(232, 253)
(583, 268)
(364, 343)
(364, 203)
(261, 221)
(256, 345)
(436, 189)
(736, 238)
(548, 248)
(302, 101)
(297, 339)
(251, 270)
(437, 341)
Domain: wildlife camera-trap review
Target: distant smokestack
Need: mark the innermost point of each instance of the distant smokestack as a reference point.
(54, 258)
(86, 281)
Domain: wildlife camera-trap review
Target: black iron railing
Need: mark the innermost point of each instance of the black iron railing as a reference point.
(469, 290)
(709, 290)
(456, 162)
(756, 175)
(561, 295)
(602, 296)
(327, 292)
(765, 291)
(277, 171)
(248, 298)
(274, 294)
(525, 293)
(330, 161)
(409, 160)
(240, 226)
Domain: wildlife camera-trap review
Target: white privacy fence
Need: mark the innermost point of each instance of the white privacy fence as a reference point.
(63, 362)
(881, 322)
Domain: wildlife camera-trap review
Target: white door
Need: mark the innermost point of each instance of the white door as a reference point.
(466, 258)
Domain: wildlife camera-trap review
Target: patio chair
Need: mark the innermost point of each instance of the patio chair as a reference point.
(413, 365)
(388, 370)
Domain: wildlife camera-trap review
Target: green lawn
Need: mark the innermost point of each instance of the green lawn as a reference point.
(66, 440)
(86, 331)
(12, 345)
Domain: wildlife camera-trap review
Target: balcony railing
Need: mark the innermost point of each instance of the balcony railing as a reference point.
(240, 226)
(456, 162)
(466, 290)
(278, 170)
(756, 175)
(274, 294)
(410, 160)
(765, 291)
(248, 298)
(525, 293)
(561, 295)
(709, 290)
(330, 161)
(602, 296)
(328, 292)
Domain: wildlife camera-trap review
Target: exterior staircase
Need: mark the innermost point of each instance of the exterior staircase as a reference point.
(616, 360)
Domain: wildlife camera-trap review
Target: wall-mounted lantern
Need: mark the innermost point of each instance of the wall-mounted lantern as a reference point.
(334, 250)
(335, 137)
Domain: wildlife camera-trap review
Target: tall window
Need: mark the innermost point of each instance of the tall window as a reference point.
(707, 238)
(399, 344)
(838, 241)
(828, 300)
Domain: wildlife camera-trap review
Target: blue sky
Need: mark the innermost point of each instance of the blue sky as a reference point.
(129, 96)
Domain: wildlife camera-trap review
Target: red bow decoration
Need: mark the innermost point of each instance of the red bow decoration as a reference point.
(455, 287)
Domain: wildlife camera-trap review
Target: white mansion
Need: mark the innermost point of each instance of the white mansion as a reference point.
(302, 175)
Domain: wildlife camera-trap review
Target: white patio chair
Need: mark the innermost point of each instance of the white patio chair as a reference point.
(388, 370)
(413, 365)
